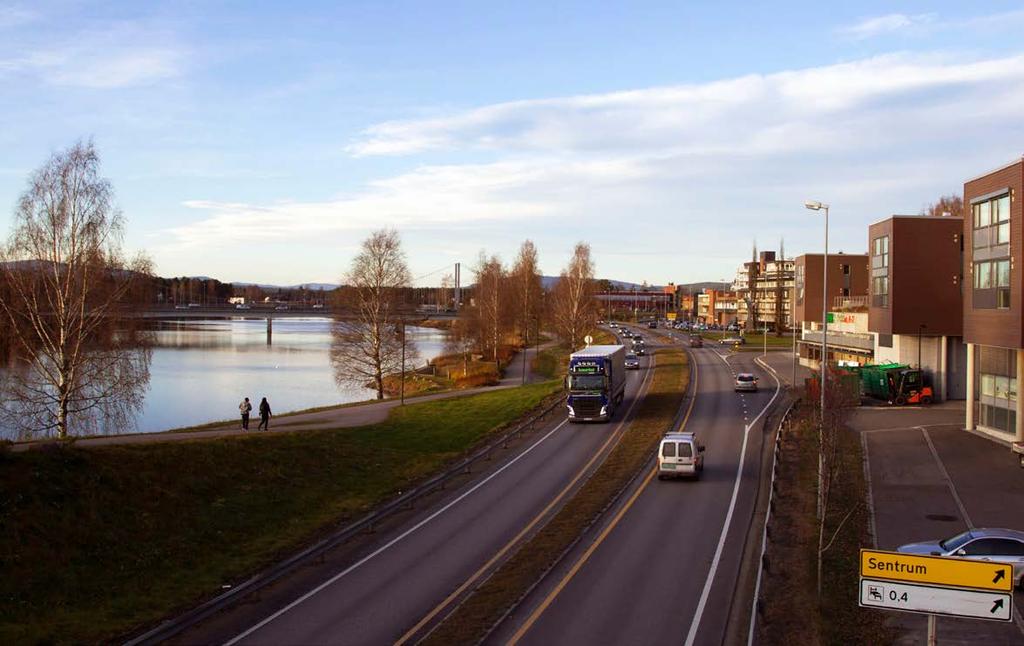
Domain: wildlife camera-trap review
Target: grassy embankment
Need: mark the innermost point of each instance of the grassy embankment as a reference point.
(553, 362)
(755, 341)
(98, 541)
(653, 417)
(792, 613)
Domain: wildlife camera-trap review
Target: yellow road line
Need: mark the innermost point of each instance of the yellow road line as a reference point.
(526, 530)
(539, 610)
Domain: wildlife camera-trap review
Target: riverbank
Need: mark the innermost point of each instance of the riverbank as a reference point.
(100, 541)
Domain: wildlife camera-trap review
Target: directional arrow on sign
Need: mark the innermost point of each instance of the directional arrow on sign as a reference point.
(1000, 575)
(998, 605)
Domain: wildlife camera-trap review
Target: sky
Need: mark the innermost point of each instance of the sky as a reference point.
(262, 142)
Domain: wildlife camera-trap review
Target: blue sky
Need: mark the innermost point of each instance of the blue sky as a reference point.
(262, 141)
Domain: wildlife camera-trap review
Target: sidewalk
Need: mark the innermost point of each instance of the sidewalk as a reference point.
(782, 362)
(373, 412)
(928, 478)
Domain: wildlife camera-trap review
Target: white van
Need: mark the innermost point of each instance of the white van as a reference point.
(680, 455)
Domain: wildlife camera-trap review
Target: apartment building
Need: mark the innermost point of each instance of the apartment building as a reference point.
(717, 307)
(993, 301)
(763, 287)
(850, 342)
(916, 301)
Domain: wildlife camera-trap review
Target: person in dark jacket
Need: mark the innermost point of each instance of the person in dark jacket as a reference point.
(245, 408)
(264, 416)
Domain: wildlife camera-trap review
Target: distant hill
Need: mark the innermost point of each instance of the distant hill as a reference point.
(310, 286)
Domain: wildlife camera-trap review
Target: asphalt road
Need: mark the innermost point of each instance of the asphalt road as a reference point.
(665, 573)
(413, 573)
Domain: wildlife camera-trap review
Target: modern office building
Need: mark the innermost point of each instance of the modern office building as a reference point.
(916, 301)
(849, 340)
(993, 301)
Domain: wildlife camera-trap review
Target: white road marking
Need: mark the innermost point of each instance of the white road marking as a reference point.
(695, 624)
(390, 543)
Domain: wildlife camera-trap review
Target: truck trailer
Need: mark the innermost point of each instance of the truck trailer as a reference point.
(596, 382)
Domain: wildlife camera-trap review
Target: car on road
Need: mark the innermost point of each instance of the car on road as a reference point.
(653, 325)
(626, 334)
(680, 454)
(632, 362)
(979, 544)
(181, 307)
(696, 341)
(242, 306)
(732, 340)
(281, 308)
(746, 382)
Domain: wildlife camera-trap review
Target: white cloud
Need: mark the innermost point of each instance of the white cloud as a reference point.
(751, 114)
(887, 24)
(682, 168)
(14, 16)
(121, 55)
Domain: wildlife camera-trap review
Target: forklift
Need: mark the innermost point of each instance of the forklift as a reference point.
(896, 383)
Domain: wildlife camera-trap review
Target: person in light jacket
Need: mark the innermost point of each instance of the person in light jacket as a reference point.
(245, 408)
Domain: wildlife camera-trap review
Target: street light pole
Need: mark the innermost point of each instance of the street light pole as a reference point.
(818, 206)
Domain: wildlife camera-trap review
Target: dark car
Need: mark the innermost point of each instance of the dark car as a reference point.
(696, 341)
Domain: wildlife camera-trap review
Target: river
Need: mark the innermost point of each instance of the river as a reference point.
(201, 369)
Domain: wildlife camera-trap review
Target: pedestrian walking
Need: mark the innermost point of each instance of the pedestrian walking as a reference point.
(245, 408)
(264, 416)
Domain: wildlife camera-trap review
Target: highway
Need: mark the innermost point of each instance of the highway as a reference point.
(662, 566)
(409, 577)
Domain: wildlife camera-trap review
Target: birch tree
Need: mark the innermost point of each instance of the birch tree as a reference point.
(525, 285)
(574, 306)
(369, 347)
(491, 301)
(78, 359)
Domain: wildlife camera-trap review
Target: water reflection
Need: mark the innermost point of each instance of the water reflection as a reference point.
(200, 370)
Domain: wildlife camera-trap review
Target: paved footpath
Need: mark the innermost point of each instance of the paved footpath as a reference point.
(931, 479)
(339, 417)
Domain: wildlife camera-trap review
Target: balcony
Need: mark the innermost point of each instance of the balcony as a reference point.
(841, 339)
(850, 303)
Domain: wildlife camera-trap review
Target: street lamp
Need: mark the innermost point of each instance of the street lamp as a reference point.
(818, 206)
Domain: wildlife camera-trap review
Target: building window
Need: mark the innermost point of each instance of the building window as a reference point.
(990, 241)
(880, 272)
(798, 283)
(997, 392)
(992, 284)
(885, 340)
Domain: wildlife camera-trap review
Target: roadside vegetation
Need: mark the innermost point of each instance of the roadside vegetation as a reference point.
(553, 362)
(99, 541)
(654, 416)
(755, 340)
(791, 611)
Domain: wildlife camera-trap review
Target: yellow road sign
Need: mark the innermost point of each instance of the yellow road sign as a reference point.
(936, 570)
(671, 316)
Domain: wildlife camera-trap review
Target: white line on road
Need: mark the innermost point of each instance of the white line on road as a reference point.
(949, 481)
(695, 624)
(390, 543)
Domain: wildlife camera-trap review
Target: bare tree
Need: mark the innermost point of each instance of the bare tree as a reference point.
(574, 306)
(952, 204)
(78, 359)
(369, 347)
(525, 281)
(491, 301)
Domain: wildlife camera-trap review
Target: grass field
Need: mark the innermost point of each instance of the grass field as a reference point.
(98, 541)
(553, 362)
(653, 417)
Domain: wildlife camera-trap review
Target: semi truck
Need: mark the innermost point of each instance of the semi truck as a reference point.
(597, 382)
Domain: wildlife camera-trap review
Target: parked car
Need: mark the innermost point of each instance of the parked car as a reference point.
(318, 306)
(280, 308)
(652, 324)
(980, 544)
(242, 306)
(680, 455)
(746, 382)
(632, 362)
(732, 340)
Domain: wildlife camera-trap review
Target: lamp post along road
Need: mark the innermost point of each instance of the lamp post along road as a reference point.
(818, 206)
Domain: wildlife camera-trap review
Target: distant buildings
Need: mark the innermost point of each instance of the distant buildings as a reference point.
(764, 289)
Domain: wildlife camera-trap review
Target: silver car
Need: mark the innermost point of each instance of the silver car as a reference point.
(983, 544)
(632, 362)
(746, 382)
